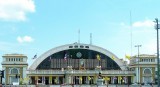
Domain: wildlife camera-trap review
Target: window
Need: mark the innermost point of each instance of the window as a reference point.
(6, 59)
(153, 60)
(70, 46)
(147, 71)
(75, 46)
(81, 46)
(89, 56)
(145, 60)
(14, 71)
(87, 46)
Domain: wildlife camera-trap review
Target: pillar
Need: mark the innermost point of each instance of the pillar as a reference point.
(80, 80)
(36, 80)
(5, 77)
(134, 79)
(56, 80)
(73, 79)
(112, 80)
(50, 79)
(67, 79)
(126, 79)
(43, 79)
(119, 79)
(24, 73)
(141, 73)
(95, 80)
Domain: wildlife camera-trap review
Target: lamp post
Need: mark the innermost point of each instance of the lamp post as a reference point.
(157, 27)
(138, 75)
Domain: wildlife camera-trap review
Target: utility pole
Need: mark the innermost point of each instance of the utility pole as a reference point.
(157, 27)
(138, 75)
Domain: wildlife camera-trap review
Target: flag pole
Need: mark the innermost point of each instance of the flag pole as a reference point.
(131, 30)
(79, 36)
(91, 38)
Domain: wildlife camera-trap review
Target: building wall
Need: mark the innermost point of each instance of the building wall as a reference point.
(153, 74)
(11, 61)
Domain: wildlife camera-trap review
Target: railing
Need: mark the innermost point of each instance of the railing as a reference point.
(14, 62)
(45, 72)
(82, 72)
(143, 63)
(112, 72)
(117, 72)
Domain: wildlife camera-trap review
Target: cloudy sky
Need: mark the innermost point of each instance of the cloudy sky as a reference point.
(34, 26)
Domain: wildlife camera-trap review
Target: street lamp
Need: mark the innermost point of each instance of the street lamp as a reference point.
(138, 75)
(157, 27)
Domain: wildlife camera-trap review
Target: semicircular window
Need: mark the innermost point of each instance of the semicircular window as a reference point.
(78, 58)
(147, 71)
(14, 71)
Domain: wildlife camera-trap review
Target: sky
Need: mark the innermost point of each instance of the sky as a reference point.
(35, 26)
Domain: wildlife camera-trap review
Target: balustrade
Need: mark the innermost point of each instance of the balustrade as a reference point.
(113, 72)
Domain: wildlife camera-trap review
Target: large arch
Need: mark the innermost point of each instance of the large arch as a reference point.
(76, 46)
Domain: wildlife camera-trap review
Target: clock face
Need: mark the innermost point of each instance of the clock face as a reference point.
(79, 54)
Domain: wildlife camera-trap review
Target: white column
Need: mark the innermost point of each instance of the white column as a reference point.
(125, 79)
(4, 59)
(43, 80)
(10, 80)
(134, 79)
(73, 79)
(137, 74)
(4, 79)
(58, 79)
(112, 80)
(95, 80)
(69, 79)
(63, 80)
(24, 72)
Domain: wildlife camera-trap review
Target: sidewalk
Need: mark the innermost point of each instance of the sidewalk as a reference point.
(76, 86)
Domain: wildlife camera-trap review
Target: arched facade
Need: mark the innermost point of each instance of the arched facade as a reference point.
(147, 75)
(14, 71)
(65, 49)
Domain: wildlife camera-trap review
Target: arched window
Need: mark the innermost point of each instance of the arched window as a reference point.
(14, 71)
(147, 71)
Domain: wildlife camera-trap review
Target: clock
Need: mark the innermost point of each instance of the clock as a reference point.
(79, 54)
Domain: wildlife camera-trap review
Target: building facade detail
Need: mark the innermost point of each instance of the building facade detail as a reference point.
(78, 64)
(76, 46)
(13, 66)
(147, 66)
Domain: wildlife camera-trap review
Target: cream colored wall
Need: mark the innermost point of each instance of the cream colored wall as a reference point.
(7, 65)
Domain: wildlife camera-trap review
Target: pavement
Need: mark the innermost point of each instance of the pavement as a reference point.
(77, 86)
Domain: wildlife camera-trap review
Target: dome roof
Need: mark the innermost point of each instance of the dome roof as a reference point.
(76, 46)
